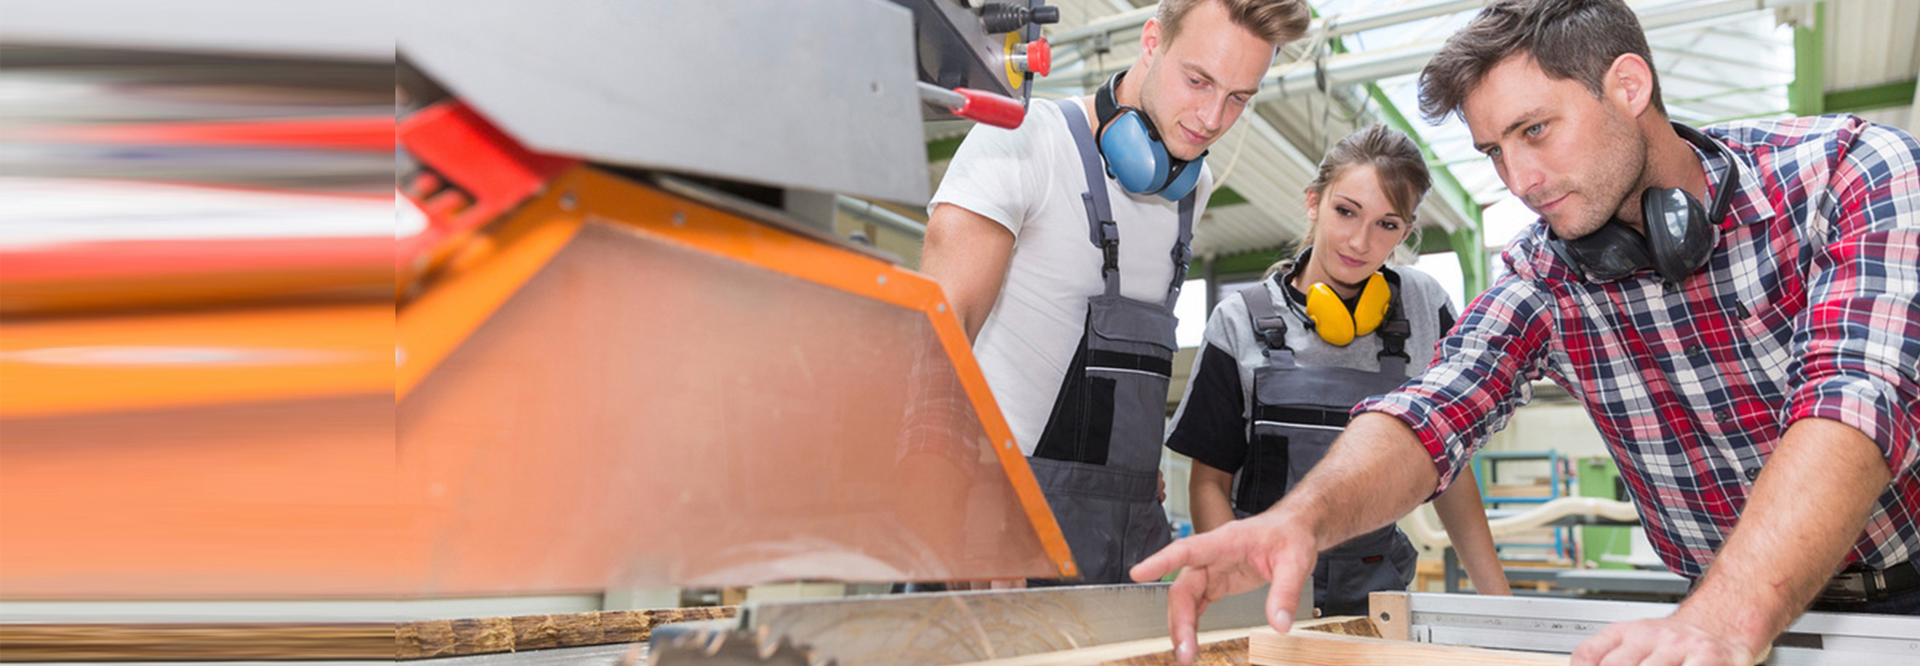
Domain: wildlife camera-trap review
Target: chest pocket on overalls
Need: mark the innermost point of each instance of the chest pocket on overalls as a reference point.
(1299, 410)
(1118, 376)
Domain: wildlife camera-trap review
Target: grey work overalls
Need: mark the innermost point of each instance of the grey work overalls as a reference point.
(1098, 460)
(1298, 411)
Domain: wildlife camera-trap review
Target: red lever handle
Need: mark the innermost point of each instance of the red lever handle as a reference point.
(996, 110)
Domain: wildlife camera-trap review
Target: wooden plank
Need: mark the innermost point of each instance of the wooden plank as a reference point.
(1343, 625)
(1389, 612)
(1267, 647)
(1227, 647)
(1217, 648)
(194, 642)
(354, 640)
(453, 638)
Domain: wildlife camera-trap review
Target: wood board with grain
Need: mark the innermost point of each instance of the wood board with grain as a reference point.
(453, 638)
(1267, 647)
(68, 642)
(1227, 647)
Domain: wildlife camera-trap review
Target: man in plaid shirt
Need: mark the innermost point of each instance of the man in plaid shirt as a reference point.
(1760, 399)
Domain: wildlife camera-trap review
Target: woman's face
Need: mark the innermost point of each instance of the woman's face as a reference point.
(1355, 230)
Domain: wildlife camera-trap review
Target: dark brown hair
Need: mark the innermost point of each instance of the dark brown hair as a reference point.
(1276, 21)
(1569, 39)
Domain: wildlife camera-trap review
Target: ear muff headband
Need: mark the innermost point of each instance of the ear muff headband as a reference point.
(1133, 152)
(1335, 324)
(1329, 316)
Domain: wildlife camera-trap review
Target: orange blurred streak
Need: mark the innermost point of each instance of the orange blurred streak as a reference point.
(122, 274)
(113, 363)
(272, 500)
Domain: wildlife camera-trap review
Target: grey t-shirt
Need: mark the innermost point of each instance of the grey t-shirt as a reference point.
(1211, 423)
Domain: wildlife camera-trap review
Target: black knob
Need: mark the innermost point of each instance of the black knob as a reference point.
(999, 17)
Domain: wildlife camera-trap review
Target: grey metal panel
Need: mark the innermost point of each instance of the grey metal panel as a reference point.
(809, 94)
(333, 29)
(1554, 625)
(1615, 580)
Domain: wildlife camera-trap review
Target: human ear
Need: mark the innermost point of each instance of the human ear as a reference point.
(1629, 82)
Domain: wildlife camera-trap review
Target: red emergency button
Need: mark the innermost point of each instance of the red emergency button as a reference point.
(1039, 57)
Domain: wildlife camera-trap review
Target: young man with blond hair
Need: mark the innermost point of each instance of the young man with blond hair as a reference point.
(1062, 245)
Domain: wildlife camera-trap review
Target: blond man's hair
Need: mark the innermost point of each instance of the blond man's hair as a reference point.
(1276, 21)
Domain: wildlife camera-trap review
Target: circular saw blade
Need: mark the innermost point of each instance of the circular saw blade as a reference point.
(731, 647)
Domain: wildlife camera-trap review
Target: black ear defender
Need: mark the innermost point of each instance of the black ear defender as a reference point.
(1680, 232)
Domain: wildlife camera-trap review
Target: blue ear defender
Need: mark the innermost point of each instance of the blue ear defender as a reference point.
(1134, 155)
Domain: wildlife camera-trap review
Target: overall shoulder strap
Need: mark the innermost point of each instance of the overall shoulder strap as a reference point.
(1100, 226)
(1395, 331)
(1269, 326)
(1182, 248)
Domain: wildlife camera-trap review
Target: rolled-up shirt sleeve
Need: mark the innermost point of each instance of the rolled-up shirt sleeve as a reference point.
(1857, 343)
(1479, 376)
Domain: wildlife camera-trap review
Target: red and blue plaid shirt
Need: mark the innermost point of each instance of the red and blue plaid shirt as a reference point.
(1808, 307)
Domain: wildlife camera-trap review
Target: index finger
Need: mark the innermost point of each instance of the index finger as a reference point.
(1170, 559)
(1184, 602)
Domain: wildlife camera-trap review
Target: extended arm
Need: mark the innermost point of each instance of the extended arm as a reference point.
(967, 253)
(1807, 508)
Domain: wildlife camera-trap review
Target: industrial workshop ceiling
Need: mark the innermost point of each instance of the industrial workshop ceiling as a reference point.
(1719, 60)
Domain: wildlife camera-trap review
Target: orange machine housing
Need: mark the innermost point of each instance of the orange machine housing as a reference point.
(588, 383)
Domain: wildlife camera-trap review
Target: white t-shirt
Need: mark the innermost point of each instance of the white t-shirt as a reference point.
(1030, 181)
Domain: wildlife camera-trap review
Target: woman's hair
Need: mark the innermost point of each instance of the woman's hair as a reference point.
(1396, 161)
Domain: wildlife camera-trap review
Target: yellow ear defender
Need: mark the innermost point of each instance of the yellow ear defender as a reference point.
(1330, 317)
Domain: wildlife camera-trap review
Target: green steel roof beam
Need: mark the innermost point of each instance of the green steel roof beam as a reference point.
(1807, 95)
(1869, 98)
(1467, 243)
